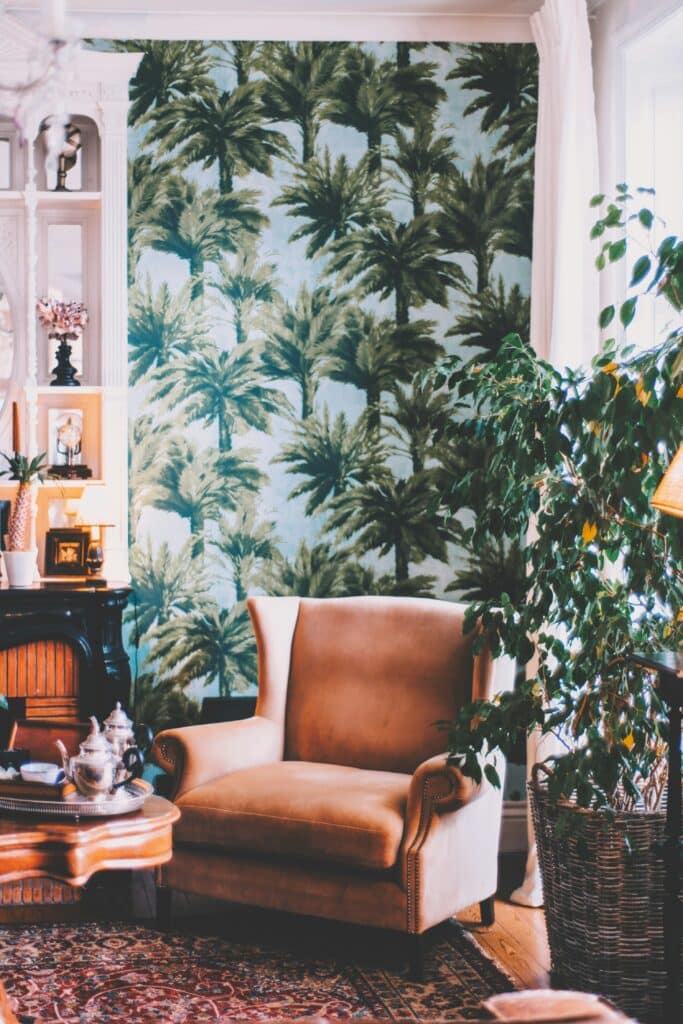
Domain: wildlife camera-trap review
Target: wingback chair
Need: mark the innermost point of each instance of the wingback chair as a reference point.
(336, 798)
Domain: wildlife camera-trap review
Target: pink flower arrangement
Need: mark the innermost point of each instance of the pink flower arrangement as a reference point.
(62, 319)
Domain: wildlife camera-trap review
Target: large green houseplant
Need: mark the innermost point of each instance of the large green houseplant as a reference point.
(572, 460)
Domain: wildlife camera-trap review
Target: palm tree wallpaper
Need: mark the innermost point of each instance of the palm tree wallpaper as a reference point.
(312, 227)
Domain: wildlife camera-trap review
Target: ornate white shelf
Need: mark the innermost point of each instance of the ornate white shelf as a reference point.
(84, 389)
(97, 101)
(69, 198)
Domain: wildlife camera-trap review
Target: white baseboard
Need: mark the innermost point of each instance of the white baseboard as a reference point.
(513, 833)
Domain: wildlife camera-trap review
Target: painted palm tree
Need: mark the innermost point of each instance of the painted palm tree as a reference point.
(332, 456)
(491, 316)
(374, 355)
(147, 191)
(498, 567)
(423, 160)
(506, 80)
(148, 442)
(242, 57)
(160, 327)
(375, 97)
(165, 584)
(332, 199)
(360, 580)
(517, 237)
(246, 545)
(318, 571)
(398, 259)
(216, 386)
(162, 704)
(168, 71)
(248, 286)
(298, 77)
(212, 644)
(403, 51)
(393, 515)
(221, 128)
(418, 417)
(301, 340)
(476, 213)
(201, 485)
(199, 226)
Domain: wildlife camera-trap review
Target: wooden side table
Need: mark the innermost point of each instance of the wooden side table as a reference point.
(71, 851)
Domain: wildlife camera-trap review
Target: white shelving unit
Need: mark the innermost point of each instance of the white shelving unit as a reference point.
(34, 222)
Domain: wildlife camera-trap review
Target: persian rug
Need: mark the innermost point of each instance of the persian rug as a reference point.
(105, 973)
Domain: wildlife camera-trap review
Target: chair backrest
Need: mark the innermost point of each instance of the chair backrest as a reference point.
(370, 677)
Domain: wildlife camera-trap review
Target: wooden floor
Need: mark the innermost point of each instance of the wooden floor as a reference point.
(517, 940)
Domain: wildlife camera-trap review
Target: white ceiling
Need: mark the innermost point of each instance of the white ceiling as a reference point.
(454, 20)
(486, 8)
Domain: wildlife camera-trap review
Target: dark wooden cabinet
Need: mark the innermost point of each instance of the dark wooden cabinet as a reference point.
(61, 657)
(61, 650)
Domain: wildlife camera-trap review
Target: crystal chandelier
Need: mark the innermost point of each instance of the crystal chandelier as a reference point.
(41, 84)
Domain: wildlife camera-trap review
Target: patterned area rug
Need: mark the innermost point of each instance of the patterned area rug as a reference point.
(105, 973)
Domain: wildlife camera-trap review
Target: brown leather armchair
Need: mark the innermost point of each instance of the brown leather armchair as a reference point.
(336, 798)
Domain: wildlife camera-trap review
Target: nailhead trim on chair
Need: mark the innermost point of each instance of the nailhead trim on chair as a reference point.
(413, 875)
(167, 751)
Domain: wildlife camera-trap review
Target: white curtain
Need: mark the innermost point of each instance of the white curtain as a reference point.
(564, 281)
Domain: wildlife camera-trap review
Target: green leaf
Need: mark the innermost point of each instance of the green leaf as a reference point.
(628, 311)
(646, 217)
(597, 199)
(607, 316)
(640, 269)
(617, 250)
(492, 775)
(600, 261)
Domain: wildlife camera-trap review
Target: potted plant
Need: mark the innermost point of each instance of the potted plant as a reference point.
(19, 558)
(575, 456)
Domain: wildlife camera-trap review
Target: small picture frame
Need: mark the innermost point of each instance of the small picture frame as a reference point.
(65, 552)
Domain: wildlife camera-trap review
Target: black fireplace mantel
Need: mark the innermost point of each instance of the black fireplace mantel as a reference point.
(86, 616)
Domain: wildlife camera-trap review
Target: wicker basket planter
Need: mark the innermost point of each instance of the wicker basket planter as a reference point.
(603, 905)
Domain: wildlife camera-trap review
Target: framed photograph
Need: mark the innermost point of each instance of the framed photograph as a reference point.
(65, 552)
(65, 434)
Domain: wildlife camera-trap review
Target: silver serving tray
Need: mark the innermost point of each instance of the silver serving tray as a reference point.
(128, 798)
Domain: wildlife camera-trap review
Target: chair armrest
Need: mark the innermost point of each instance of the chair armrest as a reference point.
(199, 753)
(436, 788)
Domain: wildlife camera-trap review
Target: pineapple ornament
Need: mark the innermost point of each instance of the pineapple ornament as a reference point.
(20, 561)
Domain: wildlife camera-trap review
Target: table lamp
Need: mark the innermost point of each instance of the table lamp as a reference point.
(95, 513)
(668, 497)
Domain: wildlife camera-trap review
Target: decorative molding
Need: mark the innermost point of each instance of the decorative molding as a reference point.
(169, 21)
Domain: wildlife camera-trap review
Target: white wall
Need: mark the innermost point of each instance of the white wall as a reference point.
(614, 24)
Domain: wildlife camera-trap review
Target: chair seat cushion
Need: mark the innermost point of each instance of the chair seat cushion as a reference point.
(300, 809)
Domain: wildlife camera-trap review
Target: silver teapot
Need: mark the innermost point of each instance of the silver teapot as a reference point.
(97, 770)
(123, 735)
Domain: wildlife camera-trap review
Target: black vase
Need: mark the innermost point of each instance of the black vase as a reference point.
(63, 372)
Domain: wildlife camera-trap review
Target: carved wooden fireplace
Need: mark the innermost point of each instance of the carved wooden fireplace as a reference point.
(61, 658)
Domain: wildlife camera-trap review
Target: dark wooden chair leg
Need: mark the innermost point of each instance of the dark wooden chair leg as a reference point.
(164, 906)
(416, 971)
(487, 909)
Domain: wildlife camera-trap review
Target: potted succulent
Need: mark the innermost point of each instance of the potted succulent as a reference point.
(19, 558)
(576, 457)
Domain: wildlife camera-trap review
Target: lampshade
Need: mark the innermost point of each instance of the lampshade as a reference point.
(96, 506)
(668, 497)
